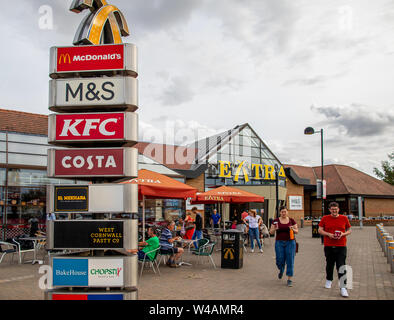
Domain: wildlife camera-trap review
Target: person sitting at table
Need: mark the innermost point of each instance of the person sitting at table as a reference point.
(234, 225)
(167, 245)
(146, 246)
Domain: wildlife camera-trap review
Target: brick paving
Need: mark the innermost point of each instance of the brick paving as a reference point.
(256, 280)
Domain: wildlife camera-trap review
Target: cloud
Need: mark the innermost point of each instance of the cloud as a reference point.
(318, 79)
(177, 92)
(358, 120)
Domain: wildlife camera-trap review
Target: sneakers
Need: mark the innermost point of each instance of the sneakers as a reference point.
(328, 284)
(174, 265)
(261, 250)
(280, 275)
(252, 250)
(289, 283)
(344, 293)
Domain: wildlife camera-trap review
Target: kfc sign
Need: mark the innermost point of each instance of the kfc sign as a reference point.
(100, 58)
(80, 128)
(109, 162)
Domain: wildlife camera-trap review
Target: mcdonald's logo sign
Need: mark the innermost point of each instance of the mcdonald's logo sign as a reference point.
(104, 25)
(64, 58)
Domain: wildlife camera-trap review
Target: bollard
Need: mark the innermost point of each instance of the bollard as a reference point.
(389, 243)
(390, 253)
(383, 238)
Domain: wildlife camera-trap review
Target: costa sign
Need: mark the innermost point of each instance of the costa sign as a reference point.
(106, 162)
(118, 93)
(93, 128)
(67, 61)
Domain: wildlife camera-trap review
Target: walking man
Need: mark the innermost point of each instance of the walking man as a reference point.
(335, 228)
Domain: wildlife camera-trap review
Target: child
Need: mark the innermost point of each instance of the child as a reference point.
(234, 225)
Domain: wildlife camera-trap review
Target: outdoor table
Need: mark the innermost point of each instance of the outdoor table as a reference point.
(35, 242)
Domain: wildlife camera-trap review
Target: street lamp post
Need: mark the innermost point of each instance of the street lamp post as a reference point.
(310, 131)
(277, 190)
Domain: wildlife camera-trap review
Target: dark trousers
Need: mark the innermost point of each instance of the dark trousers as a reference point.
(334, 256)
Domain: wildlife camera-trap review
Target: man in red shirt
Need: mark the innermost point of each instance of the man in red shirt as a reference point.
(335, 227)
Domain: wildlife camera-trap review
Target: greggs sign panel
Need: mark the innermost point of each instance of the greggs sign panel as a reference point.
(77, 128)
(108, 162)
(122, 57)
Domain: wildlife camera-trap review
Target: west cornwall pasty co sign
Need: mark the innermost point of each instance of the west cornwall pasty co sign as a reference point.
(254, 171)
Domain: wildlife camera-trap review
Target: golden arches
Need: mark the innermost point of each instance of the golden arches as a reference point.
(105, 24)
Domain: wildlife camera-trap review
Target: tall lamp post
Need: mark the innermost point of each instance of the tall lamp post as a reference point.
(276, 190)
(310, 131)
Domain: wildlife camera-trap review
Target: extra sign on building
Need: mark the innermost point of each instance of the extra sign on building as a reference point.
(98, 129)
(115, 93)
(66, 61)
(105, 162)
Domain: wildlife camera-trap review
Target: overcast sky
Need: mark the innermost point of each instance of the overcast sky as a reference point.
(209, 65)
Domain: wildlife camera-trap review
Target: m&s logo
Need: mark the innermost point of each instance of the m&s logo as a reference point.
(104, 25)
(64, 58)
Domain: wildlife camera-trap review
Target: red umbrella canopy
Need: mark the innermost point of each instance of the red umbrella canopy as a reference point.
(155, 185)
(227, 194)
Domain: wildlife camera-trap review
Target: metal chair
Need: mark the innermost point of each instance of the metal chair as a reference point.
(152, 262)
(12, 248)
(20, 250)
(200, 243)
(206, 251)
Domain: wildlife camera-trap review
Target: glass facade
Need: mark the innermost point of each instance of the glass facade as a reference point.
(23, 190)
(245, 160)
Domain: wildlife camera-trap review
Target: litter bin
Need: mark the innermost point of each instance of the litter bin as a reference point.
(232, 249)
(315, 229)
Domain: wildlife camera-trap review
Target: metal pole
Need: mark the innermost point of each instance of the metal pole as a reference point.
(6, 187)
(360, 211)
(322, 173)
(277, 193)
(143, 218)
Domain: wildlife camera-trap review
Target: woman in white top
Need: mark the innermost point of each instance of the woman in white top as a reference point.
(253, 221)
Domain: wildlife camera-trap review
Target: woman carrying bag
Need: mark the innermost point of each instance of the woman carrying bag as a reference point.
(285, 244)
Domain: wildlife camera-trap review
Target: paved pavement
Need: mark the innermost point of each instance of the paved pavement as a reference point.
(256, 280)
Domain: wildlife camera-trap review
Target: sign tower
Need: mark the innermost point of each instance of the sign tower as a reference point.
(94, 93)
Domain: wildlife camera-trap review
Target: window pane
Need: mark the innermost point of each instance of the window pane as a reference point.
(27, 148)
(27, 159)
(255, 152)
(27, 138)
(246, 132)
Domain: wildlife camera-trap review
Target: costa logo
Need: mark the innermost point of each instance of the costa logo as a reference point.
(92, 162)
(93, 127)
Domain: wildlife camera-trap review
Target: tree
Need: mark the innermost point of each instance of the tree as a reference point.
(388, 170)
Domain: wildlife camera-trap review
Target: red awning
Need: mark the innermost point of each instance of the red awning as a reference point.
(226, 194)
(155, 185)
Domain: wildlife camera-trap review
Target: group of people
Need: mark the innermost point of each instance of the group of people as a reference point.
(333, 227)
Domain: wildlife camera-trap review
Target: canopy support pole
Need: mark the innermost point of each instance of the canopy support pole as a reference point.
(143, 218)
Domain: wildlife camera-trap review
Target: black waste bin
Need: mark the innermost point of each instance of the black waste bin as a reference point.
(232, 249)
(315, 228)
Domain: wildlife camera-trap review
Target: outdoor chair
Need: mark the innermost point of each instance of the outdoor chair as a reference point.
(152, 262)
(200, 243)
(164, 256)
(22, 247)
(206, 251)
(9, 248)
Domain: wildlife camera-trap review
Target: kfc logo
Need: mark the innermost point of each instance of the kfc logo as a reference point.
(70, 127)
(88, 127)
